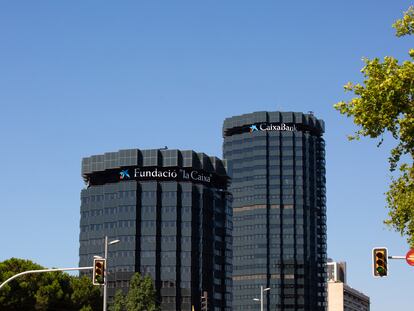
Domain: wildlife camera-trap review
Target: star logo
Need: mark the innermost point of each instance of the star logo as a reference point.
(253, 128)
(124, 174)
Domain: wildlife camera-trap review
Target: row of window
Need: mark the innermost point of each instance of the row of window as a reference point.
(238, 245)
(246, 149)
(263, 197)
(165, 224)
(108, 225)
(172, 239)
(131, 209)
(169, 299)
(131, 194)
(172, 284)
(263, 236)
(286, 174)
(277, 287)
(259, 266)
(297, 138)
(152, 209)
(119, 254)
(123, 269)
(263, 217)
(165, 239)
(298, 165)
(285, 227)
(109, 196)
(100, 241)
(272, 158)
(287, 183)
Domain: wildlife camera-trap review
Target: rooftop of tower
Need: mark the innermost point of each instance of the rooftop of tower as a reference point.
(242, 122)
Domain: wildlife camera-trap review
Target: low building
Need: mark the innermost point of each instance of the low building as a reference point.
(342, 297)
(336, 271)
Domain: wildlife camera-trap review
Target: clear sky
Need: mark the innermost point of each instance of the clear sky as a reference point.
(79, 78)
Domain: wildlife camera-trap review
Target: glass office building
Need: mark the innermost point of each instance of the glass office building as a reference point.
(277, 164)
(170, 210)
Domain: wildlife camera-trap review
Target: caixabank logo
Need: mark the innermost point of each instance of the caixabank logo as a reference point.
(253, 128)
(264, 127)
(124, 174)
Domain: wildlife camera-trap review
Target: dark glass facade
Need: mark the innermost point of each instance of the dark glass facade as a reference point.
(170, 210)
(277, 164)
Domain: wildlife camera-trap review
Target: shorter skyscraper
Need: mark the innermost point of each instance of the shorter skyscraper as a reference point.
(342, 297)
(170, 211)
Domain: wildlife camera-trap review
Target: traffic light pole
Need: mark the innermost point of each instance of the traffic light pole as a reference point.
(261, 298)
(105, 294)
(262, 290)
(43, 271)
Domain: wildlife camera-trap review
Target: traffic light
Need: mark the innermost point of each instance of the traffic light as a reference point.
(380, 257)
(98, 274)
(204, 302)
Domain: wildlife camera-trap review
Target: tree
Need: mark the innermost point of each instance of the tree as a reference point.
(119, 302)
(21, 292)
(384, 105)
(85, 294)
(45, 291)
(141, 296)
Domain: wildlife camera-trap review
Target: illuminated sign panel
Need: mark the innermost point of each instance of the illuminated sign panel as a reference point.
(272, 127)
(158, 174)
(142, 173)
(268, 127)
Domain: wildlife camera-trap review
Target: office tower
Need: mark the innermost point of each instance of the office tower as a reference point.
(277, 164)
(170, 211)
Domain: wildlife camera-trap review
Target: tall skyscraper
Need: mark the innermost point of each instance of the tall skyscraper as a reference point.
(170, 211)
(277, 164)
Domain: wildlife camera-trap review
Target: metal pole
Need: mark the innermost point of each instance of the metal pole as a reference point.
(105, 274)
(261, 298)
(396, 257)
(43, 271)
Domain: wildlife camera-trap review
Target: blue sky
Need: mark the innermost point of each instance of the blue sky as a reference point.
(79, 78)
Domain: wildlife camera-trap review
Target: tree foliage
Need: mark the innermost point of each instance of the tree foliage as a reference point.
(118, 303)
(45, 291)
(141, 296)
(384, 104)
(405, 25)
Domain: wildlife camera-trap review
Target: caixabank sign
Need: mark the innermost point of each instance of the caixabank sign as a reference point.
(158, 174)
(270, 127)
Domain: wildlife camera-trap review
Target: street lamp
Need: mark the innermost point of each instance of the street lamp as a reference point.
(105, 294)
(261, 296)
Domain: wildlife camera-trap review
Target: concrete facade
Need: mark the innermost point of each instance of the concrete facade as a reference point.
(342, 297)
